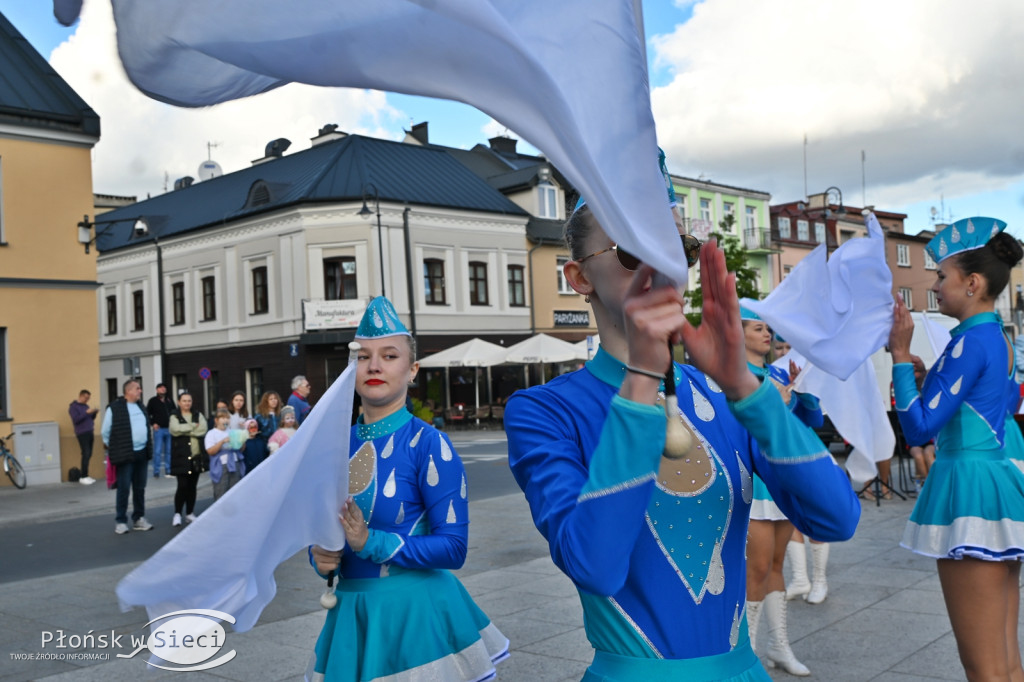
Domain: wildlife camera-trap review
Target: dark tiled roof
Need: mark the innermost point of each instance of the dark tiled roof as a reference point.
(523, 178)
(330, 172)
(33, 94)
(544, 231)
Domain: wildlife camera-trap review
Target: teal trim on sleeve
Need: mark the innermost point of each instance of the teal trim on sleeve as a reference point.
(779, 434)
(628, 454)
(380, 547)
(904, 385)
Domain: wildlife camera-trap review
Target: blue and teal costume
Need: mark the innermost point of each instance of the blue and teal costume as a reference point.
(972, 503)
(401, 615)
(656, 547)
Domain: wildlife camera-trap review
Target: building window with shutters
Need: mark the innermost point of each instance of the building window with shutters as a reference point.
(903, 255)
(784, 228)
(803, 230)
(908, 297)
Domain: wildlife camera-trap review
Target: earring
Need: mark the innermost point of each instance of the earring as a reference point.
(970, 293)
(586, 299)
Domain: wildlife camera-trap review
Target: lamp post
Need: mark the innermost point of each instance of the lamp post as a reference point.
(365, 212)
(827, 209)
(140, 228)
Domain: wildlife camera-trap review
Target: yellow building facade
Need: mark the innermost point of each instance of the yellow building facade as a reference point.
(49, 348)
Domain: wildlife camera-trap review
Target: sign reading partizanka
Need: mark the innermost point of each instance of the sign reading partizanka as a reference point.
(572, 318)
(332, 314)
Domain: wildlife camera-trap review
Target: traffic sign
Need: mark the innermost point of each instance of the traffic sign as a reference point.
(205, 373)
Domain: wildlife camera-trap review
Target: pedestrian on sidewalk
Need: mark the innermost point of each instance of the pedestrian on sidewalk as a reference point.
(128, 436)
(400, 614)
(656, 545)
(159, 409)
(299, 399)
(188, 456)
(224, 446)
(970, 512)
(83, 418)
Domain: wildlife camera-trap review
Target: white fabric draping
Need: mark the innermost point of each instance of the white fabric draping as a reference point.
(225, 559)
(569, 76)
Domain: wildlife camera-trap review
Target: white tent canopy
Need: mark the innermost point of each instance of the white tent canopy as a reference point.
(472, 353)
(542, 348)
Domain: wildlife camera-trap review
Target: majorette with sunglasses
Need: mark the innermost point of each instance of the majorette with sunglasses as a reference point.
(655, 546)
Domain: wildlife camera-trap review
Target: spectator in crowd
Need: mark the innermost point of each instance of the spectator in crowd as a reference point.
(224, 446)
(188, 456)
(237, 410)
(159, 409)
(211, 421)
(286, 430)
(299, 399)
(128, 436)
(84, 419)
(267, 412)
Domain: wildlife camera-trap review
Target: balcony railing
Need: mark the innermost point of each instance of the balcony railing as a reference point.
(757, 238)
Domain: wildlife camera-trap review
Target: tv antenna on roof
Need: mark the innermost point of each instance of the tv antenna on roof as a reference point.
(209, 169)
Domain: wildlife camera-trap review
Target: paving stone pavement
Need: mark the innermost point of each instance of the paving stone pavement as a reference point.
(884, 618)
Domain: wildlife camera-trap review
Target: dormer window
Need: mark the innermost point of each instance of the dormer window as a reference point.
(547, 201)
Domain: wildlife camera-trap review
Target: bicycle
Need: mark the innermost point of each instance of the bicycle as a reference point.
(12, 467)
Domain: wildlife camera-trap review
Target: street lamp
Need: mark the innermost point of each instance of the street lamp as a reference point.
(833, 192)
(365, 213)
(140, 229)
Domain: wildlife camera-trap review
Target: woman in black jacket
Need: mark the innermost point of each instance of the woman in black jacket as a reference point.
(188, 456)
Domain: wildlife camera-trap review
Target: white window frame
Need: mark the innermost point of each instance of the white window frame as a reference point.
(705, 210)
(751, 217)
(803, 230)
(907, 294)
(563, 284)
(681, 205)
(819, 232)
(547, 201)
(903, 255)
(785, 228)
(933, 300)
(248, 264)
(929, 262)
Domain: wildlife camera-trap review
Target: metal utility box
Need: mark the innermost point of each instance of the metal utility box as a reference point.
(37, 447)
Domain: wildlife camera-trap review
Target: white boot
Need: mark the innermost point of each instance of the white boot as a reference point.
(796, 555)
(779, 653)
(753, 618)
(819, 586)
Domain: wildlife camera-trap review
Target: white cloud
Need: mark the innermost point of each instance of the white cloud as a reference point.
(142, 139)
(931, 89)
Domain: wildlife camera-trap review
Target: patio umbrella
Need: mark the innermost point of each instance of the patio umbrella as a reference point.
(542, 349)
(581, 347)
(472, 353)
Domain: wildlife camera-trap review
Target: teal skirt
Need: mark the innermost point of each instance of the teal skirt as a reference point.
(738, 665)
(409, 626)
(971, 505)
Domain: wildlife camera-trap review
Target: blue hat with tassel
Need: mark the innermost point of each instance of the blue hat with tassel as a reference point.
(963, 235)
(380, 320)
(748, 314)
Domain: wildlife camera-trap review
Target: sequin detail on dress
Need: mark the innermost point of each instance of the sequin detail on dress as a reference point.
(389, 448)
(955, 388)
(746, 481)
(462, 490)
(451, 512)
(712, 385)
(389, 486)
(401, 514)
(716, 572)
(416, 439)
(958, 349)
(734, 631)
(432, 477)
(446, 452)
(935, 401)
(702, 407)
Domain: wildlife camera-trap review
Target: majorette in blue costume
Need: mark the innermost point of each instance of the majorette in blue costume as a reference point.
(400, 615)
(972, 503)
(655, 546)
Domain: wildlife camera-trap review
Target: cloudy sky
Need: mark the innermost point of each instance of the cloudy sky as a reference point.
(929, 90)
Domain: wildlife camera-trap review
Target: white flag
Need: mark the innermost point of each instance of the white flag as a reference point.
(225, 559)
(837, 312)
(569, 76)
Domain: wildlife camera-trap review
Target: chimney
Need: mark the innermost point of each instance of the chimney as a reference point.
(328, 133)
(274, 150)
(503, 145)
(418, 135)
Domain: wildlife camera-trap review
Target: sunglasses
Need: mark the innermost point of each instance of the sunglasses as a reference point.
(691, 247)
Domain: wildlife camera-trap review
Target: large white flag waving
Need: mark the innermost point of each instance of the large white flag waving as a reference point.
(225, 559)
(569, 76)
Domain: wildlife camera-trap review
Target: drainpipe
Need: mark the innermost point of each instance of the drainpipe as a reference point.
(408, 271)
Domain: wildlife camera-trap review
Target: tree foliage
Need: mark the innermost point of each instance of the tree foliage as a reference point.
(735, 261)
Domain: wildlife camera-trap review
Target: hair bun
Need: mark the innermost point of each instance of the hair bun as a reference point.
(1006, 248)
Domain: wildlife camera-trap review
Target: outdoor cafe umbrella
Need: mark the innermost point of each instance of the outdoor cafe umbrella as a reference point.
(542, 349)
(584, 353)
(472, 353)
